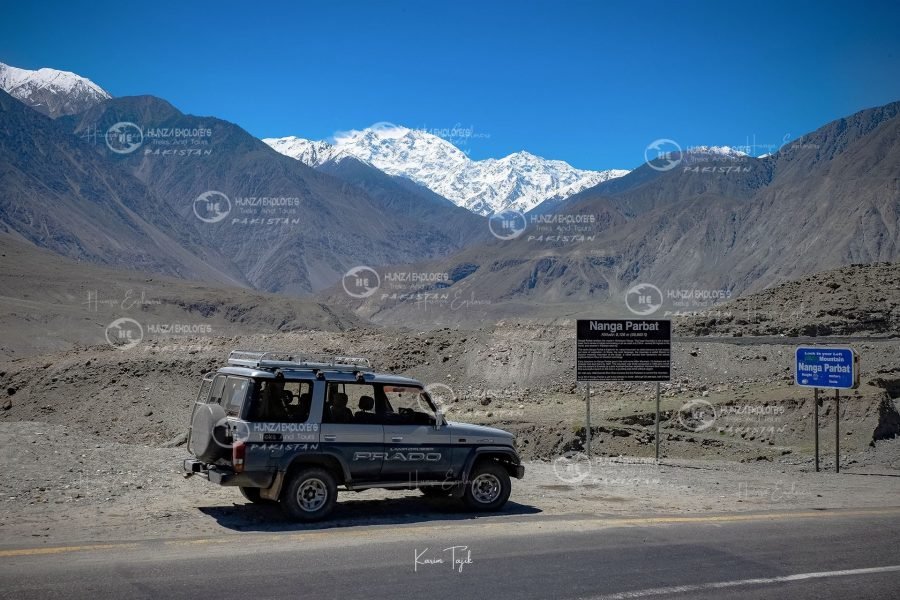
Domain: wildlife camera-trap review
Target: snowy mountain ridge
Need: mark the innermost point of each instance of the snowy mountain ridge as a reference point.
(519, 181)
(50, 91)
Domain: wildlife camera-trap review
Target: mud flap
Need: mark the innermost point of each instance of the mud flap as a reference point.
(273, 492)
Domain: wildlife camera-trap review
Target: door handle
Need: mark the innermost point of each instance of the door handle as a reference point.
(397, 438)
(329, 437)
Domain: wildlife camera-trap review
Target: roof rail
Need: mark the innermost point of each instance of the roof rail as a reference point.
(288, 360)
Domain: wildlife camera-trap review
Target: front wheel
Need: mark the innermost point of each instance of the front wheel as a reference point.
(488, 487)
(309, 495)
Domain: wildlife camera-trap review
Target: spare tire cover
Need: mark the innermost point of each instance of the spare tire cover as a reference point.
(207, 433)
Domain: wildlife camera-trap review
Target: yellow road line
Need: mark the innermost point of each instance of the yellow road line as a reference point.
(62, 549)
(355, 534)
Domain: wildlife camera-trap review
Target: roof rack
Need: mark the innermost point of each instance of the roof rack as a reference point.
(287, 360)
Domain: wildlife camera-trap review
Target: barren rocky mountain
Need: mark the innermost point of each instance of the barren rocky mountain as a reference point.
(411, 202)
(61, 194)
(289, 228)
(716, 221)
(723, 225)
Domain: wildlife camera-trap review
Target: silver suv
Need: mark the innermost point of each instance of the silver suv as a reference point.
(292, 429)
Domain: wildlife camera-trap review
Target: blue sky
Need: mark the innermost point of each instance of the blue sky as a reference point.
(591, 83)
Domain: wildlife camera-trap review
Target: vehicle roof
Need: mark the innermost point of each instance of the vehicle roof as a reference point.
(330, 375)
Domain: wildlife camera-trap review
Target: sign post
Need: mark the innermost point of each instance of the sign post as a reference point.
(657, 422)
(623, 350)
(587, 430)
(830, 368)
(816, 423)
(837, 431)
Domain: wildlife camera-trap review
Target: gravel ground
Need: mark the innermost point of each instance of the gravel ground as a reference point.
(63, 486)
(91, 441)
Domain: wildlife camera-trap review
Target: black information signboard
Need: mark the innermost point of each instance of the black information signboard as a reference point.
(624, 350)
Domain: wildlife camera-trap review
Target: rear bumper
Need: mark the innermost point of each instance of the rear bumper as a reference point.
(225, 476)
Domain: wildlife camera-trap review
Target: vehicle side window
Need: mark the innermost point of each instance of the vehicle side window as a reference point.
(404, 406)
(234, 394)
(350, 403)
(280, 401)
(205, 387)
(215, 392)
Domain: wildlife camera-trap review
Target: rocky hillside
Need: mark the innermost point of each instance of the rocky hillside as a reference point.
(853, 300)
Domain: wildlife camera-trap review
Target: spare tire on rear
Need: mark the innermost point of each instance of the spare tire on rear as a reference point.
(208, 441)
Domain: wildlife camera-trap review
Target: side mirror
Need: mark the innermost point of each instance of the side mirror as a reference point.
(438, 419)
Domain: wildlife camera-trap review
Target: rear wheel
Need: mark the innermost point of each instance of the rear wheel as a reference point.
(309, 495)
(488, 487)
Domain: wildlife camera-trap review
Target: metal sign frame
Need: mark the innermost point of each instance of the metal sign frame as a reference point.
(612, 327)
(853, 384)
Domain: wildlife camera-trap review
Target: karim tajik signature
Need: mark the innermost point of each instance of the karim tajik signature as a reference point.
(454, 556)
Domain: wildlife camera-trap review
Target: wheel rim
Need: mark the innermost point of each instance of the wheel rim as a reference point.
(486, 488)
(312, 494)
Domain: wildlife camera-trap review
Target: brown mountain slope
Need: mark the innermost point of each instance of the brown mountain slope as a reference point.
(51, 303)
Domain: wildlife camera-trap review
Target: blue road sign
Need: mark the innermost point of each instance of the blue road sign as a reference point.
(834, 368)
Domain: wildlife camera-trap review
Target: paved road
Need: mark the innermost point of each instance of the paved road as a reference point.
(815, 554)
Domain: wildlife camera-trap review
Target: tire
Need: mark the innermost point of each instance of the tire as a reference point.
(319, 494)
(487, 488)
(208, 433)
(253, 495)
(435, 491)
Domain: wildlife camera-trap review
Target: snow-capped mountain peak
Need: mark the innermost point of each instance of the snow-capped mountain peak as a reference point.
(306, 151)
(716, 150)
(50, 91)
(518, 181)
